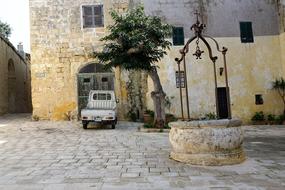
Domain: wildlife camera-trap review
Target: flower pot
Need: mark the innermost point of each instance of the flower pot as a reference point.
(147, 118)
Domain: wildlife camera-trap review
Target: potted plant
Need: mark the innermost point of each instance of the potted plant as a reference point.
(148, 117)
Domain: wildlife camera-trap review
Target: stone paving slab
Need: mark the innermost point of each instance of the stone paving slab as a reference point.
(62, 155)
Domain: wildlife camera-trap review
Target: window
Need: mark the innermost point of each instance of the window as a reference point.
(178, 36)
(101, 96)
(182, 75)
(93, 16)
(86, 80)
(258, 99)
(104, 79)
(246, 33)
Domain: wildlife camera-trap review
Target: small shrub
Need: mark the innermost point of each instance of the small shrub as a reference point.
(132, 116)
(258, 116)
(35, 118)
(271, 117)
(210, 116)
(150, 112)
(147, 125)
(167, 126)
(279, 119)
(68, 116)
(170, 118)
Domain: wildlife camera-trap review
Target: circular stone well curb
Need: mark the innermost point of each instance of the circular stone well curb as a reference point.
(213, 142)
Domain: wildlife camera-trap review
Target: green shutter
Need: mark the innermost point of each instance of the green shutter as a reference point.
(178, 36)
(246, 33)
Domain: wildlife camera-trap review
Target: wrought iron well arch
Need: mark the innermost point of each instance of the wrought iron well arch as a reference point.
(198, 29)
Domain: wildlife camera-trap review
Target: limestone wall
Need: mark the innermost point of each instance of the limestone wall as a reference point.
(14, 89)
(60, 47)
(251, 67)
(222, 17)
(282, 32)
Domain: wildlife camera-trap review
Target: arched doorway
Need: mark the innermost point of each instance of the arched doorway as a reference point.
(11, 87)
(93, 77)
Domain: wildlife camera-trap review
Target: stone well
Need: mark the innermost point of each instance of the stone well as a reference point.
(212, 143)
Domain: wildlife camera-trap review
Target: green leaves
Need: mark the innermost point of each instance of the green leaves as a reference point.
(279, 84)
(5, 29)
(136, 41)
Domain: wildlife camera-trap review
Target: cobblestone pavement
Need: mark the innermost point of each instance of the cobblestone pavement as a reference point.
(61, 155)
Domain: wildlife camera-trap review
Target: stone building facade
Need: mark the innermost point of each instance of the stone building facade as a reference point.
(251, 66)
(62, 54)
(15, 81)
(62, 39)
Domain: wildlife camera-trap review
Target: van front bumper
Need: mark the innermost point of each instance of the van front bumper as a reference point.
(105, 120)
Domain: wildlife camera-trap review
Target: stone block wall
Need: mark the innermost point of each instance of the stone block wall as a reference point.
(15, 96)
(251, 66)
(282, 32)
(60, 48)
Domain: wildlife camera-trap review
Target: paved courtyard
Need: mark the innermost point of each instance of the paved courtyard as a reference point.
(61, 155)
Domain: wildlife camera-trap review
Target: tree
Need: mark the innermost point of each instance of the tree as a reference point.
(5, 29)
(279, 86)
(138, 42)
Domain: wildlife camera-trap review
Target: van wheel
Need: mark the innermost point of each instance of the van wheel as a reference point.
(85, 125)
(113, 126)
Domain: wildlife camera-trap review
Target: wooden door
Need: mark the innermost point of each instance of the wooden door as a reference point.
(92, 81)
(222, 103)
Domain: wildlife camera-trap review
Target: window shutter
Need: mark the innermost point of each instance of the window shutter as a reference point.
(98, 16)
(178, 36)
(87, 16)
(93, 16)
(246, 33)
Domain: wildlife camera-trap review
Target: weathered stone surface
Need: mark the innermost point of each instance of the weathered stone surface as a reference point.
(58, 57)
(207, 142)
(224, 123)
(152, 130)
(15, 80)
(38, 155)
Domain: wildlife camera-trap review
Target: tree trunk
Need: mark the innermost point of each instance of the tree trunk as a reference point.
(158, 97)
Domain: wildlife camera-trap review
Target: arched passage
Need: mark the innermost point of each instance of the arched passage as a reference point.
(11, 87)
(93, 76)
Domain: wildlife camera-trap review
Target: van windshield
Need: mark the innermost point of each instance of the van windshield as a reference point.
(102, 96)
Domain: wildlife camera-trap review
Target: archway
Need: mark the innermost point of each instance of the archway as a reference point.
(93, 76)
(11, 87)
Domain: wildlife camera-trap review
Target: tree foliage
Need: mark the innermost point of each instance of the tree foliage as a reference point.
(5, 29)
(279, 86)
(136, 41)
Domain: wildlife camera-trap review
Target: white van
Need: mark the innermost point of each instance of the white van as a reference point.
(101, 108)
